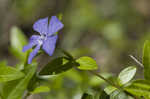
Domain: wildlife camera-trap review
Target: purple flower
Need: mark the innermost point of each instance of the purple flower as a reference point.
(47, 38)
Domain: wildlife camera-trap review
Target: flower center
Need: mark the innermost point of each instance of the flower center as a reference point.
(43, 37)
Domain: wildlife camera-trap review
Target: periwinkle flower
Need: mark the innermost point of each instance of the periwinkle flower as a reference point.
(47, 38)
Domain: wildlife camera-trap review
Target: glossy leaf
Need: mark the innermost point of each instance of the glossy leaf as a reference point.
(41, 89)
(146, 60)
(17, 41)
(110, 89)
(15, 89)
(139, 88)
(8, 73)
(56, 66)
(117, 94)
(87, 63)
(126, 75)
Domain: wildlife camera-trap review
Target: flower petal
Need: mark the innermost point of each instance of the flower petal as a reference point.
(33, 53)
(41, 26)
(49, 45)
(34, 37)
(32, 42)
(54, 25)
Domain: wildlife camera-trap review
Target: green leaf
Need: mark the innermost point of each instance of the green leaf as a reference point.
(110, 89)
(8, 73)
(15, 89)
(56, 66)
(118, 94)
(126, 75)
(139, 88)
(41, 89)
(146, 60)
(87, 63)
(17, 41)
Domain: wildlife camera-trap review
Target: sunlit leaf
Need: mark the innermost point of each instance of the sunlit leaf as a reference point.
(87, 63)
(41, 89)
(8, 73)
(117, 94)
(15, 89)
(109, 89)
(17, 41)
(146, 60)
(139, 88)
(126, 75)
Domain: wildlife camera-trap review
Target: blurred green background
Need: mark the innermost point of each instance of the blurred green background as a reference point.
(107, 30)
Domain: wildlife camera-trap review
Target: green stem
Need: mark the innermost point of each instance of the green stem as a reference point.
(106, 80)
(66, 53)
(26, 59)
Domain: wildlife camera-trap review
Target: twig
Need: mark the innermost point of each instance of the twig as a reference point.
(108, 81)
(138, 62)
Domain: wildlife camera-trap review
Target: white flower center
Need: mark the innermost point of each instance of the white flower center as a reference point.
(40, 42)
(43, 37)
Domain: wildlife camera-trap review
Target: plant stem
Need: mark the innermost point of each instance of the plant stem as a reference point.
(67, 53)
(138, 62)
(108, 81)
(26, 59)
